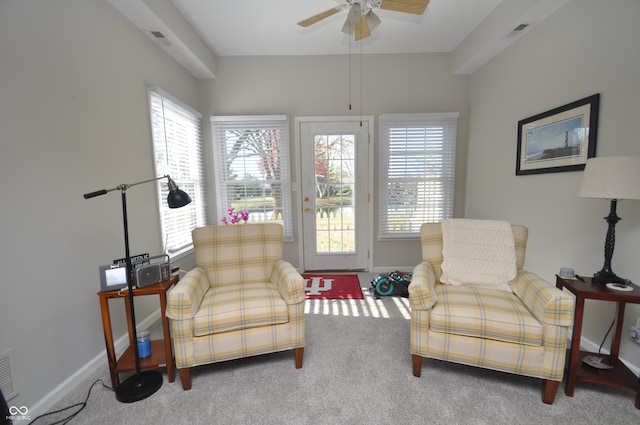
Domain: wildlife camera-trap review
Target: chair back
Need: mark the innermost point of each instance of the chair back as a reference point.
(431, 241)
(238, 253)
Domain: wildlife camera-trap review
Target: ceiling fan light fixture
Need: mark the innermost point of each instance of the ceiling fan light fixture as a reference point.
(355, 14)
(347, 28)
(372, 20)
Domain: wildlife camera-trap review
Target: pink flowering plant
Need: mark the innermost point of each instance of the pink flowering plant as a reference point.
(235, 217)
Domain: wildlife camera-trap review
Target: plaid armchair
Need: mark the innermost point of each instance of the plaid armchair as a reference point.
(240, 300)
(524, 332)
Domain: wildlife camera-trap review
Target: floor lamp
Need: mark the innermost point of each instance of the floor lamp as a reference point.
(142, 384)
(612, 178)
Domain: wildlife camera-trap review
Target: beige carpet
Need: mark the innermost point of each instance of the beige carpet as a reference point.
(357, 370)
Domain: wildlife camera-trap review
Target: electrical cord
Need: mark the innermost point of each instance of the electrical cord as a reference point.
(82, 405)
(605, 336)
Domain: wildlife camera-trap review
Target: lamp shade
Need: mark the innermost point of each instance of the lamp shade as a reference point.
(176, 198)
(611, 178)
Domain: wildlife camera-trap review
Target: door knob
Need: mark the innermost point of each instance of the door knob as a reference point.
(307, 209)
(306, 199)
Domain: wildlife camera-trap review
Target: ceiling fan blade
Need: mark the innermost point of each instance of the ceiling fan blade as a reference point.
(320, 16)
(415, 7)
(361, 30)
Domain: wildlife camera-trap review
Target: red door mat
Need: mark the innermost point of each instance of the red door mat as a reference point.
(332, 286)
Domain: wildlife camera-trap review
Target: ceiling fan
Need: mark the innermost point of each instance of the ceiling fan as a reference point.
(361, 20)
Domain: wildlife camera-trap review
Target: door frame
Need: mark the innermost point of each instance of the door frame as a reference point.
(367, 120)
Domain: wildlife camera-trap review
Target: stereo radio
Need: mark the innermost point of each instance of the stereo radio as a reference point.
(153, 273)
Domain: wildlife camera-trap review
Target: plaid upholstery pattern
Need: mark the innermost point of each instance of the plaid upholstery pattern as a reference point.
(232, 255)
(527, 335)
(240, 300)
(484, 313)
(230, 308)
(184, 299)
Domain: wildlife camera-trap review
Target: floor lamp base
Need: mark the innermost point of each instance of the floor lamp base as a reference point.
(136, 388)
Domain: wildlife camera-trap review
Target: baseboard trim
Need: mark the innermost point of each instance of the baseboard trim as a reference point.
(99, 361)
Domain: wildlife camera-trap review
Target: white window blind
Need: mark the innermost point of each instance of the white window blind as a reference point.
(417, 171)
(178, 152)
(252, 167)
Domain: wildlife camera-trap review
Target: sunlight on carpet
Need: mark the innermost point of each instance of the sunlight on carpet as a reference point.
(367, 307)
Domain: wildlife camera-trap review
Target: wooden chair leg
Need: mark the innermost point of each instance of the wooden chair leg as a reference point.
(185, 377)
(550, 389)
(417, 365)
(299, 353)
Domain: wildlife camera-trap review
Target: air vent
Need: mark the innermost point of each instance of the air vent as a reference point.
(517, 31)
(520, 27)
(8, 375)
(159, 37)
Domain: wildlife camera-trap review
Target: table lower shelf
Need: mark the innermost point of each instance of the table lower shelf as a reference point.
(619, 376)
(157, 359)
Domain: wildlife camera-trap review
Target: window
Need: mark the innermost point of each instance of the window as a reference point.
(252, 167)
(417, 171)
(178, 152)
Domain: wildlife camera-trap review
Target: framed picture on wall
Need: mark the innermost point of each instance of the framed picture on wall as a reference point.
(561, 139)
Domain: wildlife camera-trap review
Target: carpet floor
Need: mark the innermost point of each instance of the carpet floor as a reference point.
(357, 370)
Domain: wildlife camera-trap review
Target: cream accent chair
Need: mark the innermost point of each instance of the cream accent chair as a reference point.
(524, 332)
(240, 300)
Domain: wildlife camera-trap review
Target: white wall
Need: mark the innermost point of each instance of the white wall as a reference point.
(73, 119)
(319, 85)
(587, 47)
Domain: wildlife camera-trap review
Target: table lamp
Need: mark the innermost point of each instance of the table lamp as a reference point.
(142, 384)
(611, 178)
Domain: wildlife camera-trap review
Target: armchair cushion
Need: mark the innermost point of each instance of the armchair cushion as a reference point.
(484, 313)
(230, 308)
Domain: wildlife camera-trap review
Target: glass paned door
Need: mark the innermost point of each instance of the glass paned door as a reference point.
(335, 194)
(334, 164)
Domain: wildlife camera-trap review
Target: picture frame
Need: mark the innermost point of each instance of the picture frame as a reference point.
(558, 140)
(113, 276)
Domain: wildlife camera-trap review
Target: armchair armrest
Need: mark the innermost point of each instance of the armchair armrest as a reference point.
(289, 282)
(422, 294)
(184, 299)
(546, 302)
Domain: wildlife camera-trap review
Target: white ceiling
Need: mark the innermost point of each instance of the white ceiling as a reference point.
(195, 32)
(268, 27)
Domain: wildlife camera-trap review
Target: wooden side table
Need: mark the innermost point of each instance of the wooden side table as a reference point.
(161, 353)
(619, 375)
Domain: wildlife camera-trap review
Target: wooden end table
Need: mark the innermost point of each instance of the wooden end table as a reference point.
(161, 353)
(619, 376)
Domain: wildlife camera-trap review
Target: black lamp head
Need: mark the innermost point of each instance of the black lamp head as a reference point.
(176, 198)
